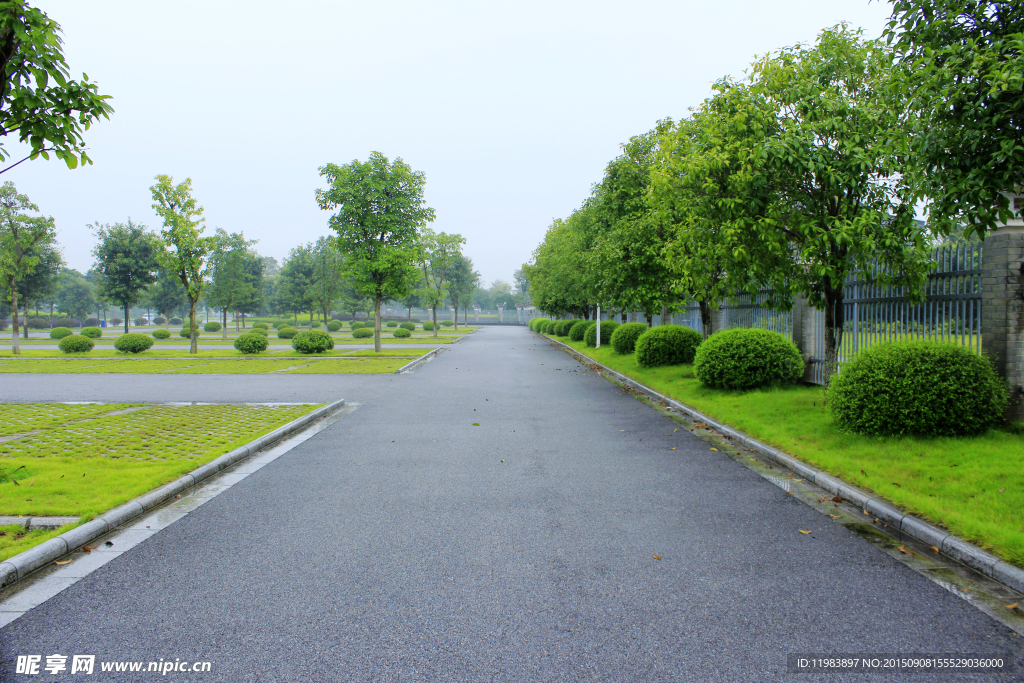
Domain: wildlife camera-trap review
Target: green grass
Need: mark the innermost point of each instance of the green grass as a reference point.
(204, 365)
(15, 539)
(972, 486)
(211, 353)
(93, 460)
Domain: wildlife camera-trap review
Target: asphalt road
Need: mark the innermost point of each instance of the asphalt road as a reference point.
(396, 545)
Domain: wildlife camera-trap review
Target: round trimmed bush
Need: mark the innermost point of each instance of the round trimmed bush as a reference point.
(362, 332)
(37, 324)
(133, 342)
(75, 343)
(259, 330)
(355, 325)
(173, 321)
(428, 326)
(89, 322)
(185, 335)
(624, 338)
(447, 323)
(392, 323)
(287, 333)
(334, 326)
(536, 323)
(71, 322)
(918, 388)
(60, 332)
(161, 334)
(563, 327)
(545, 327)
(408, 326)
(280, 323)
(212, 326)
(607, 330)
(92, 332)
(261, 326)
(314, 325)
(116, 322)
(401, 333)
(141, 321)
(577, 331)
(159, 320)
(745, 359)
(312, 341)
(252, 342)
(667, 345)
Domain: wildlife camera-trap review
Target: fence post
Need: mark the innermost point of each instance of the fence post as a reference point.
(1002, 309)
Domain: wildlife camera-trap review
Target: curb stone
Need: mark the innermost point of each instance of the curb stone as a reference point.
(949, 545)
(425, 358)
(21, 565)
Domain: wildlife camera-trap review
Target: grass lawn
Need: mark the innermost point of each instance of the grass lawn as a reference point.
(215, 353)
(244, 365)
(972, 486)
(83, 460)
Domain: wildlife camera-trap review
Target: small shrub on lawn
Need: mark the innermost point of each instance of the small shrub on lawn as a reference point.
(536, 323)
(161, 334)
(356, 325)
(212, 326)
(746, 359)
(60, 332)
(173, 321)
(280, 323)
(547, 327)
(607, 330)
(287, 333)
(362, 332)
(38, 324)
(333, 326)
(258, 330)
(159, 320)
(252, 342)
(261, 326)
(75, 343)
(141, 321)
(428, 326)
(133, 342)
(313, 341)
(577, 331)
(185, 335)
(918, 388)
(447, 323)
(314, 325)
(71, 322)
(563, 326)
(392, 323)
(89, 322)
(408, 326)
(92, 332)
(116, 322)
(624, 338)
(401, 333)
(667, 345)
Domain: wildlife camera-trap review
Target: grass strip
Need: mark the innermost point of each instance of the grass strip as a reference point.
(973, 487)
(200, 365)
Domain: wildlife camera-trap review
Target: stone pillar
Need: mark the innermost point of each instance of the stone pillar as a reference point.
(803, 334)
(1002, 309)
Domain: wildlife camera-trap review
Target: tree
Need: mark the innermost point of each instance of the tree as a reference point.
(522, 283)
(38, 101)
(379, 210)
(270, 271)
(126, 258)
(412, 299)
(963, 62)
(327, 282)
(42, 281)
(295, 286)
(439, 253)
(231, 281)
(186, 251)
(462, 282)
(167, 295)
(23, 239)
(75, 294)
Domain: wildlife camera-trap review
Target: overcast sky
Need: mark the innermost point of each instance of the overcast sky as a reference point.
(511, 110)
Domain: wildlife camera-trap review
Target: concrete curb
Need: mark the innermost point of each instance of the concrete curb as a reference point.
(18, 567)
(425, 358)
(948, 544)
(34, 523)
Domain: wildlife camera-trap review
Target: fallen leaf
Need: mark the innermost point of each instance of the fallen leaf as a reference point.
(934, 549)
(804, 532)
(1013, 606)
(657, 557)
(966, 589)
(834, 516)
(675, 430)
(714, 449)
(503, 461)
(864, 473)
(837, 499)
(89, 548)
(865, 512)
(476, 424)
(1001, 490)
(673, 448)
(896, 485)
(67, 561)
(902, 549)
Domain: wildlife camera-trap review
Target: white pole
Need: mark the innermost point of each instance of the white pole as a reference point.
(598, 345)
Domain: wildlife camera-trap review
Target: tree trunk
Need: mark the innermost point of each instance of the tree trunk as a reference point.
(310, 318)
(127, 310)
(834, 320)
(15, 344)
(650, 318)
(51, 315)
(194, 348)
(409, 308)
(456, 315)
(26, 317)
(664, 314)
(376, 323)
(243, 320)
(434, 309)
(705, 318)
(224, 315)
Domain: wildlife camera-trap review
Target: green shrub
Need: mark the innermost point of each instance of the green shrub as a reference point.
(362, 332)
(392, 323)
(314, 325)
(139, 322)
(173, 321)
(37, 324)
(258, 330)
(260, 326)
(252, 342)
(212, 326)
(92, 332)
(185, 335)
(333, 326)
(401, 333)
(75, 343)
(161, 334)
(89, 322)
(60, 333)
(279, 324)
(116, 322)
(71, 322)
(666, 345)
(545, 327)
(428, 326)
(536, 323)
(579, 329)
(159, 320)
(408, 326)
(746, 359)
(287, 333)
(918, 388)
(355, 325)
(312, 341)
(563, 326)
(624, 338)
(447, 323)
(607, 330)
(133, 342)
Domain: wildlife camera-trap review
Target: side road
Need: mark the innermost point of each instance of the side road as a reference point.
(495, 516)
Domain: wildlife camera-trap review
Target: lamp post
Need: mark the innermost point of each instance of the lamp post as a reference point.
(501, 313)
(519, 313)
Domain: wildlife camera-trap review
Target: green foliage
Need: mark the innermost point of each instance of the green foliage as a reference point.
(71, 322)
(252, 342)
(75, 343)
(161, 334)
(259, 331)
(184, 332)
(447, 323)
(260, 326)
(391, 323)
(174, 321)
(286, 332)
(92, 332)
(314, 325)
(667, 345)
(607, 330)
(747, 359)
(918, 388)
(159, 320)
(60, 332)
(37, 323)
(212, 326)
(126, 260)
(312, 341)
(624, 338)
(356, 325)
(281, 323)
(401, 333)
(362, 332)
(133, 342)
(23, 241)
(408, 326)
(562, 327)
(579, 329)
(537, 322)
(333, 325)
(428, 326)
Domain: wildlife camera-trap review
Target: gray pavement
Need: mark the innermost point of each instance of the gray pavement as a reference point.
(395, 545)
